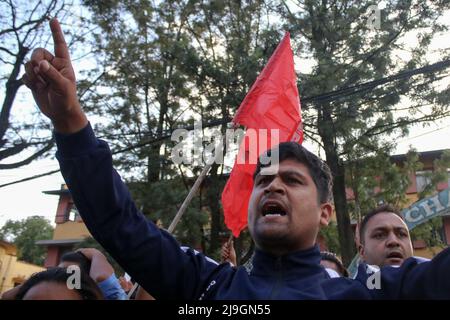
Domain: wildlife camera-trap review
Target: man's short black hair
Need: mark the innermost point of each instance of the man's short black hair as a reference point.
(78, 258)
(381, 208)
(330, 256)
(319, 170)
(88, 288)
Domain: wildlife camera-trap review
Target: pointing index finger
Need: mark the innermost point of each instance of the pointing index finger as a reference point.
(61, 50)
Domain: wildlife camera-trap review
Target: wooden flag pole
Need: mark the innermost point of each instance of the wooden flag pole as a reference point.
(189, 197)
(196, 185)
(181, 211)
(230, 239)
(187, 201)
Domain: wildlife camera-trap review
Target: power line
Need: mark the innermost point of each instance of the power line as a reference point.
(339, 93)
(325, 97)
(422, 134)
(30, 178)
(372, 84)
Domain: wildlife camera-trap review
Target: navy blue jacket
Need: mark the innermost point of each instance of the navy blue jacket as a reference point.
(155, 260)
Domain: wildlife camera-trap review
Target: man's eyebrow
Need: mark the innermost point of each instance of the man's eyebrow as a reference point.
(292, 173)
(400, 228)
(386, 228)
(260, 173)
(380, 228)
(282, 173)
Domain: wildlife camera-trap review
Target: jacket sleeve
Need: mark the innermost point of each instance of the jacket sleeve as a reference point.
(414, 279)
(150, 255)
(111, 289)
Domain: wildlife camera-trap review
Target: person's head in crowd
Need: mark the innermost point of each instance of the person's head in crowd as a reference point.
(331, 261)
(52, 284)
(290, 200)
(384, 237)
(75, 258)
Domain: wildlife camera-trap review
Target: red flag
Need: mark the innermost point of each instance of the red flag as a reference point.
(272, 103)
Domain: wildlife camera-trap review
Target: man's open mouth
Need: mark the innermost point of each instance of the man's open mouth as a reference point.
(273, 209)
(395, 255)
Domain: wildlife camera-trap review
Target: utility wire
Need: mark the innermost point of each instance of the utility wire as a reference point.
(30, 178)
(325, 97)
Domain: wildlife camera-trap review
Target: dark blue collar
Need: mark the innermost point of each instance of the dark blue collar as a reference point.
(299, 263)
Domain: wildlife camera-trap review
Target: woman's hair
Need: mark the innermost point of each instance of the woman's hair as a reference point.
(88, 288)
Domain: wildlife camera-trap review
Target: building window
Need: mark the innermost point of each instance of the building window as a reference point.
(72, 213)
(422, 180)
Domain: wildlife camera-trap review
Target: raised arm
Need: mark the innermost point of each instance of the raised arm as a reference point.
(52, 80)
(414, 279)
(150, 255)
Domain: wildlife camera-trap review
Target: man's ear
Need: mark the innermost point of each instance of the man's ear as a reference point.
(361, 250)
(326, 209)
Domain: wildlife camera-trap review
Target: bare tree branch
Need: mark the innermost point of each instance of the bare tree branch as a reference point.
(7, 51)
(28, 160)
(17, 148)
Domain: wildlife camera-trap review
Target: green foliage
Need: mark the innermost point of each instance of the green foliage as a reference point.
(330, 234)
(160, 201)
(439, 174)
(24, 234)
(164, 64)
(345, 51)
(430, 232)
(377, 179)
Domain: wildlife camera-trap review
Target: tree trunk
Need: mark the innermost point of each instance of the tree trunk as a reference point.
(213, 196)
(346, 237)
(154, 158)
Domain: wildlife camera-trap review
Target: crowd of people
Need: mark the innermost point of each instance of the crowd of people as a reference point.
(287, 208)
(385, 241)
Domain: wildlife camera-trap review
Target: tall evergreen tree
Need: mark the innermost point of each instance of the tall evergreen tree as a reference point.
(347, 48)
(166, 65)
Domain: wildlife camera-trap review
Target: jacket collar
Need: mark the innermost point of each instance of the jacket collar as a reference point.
(299, 263)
